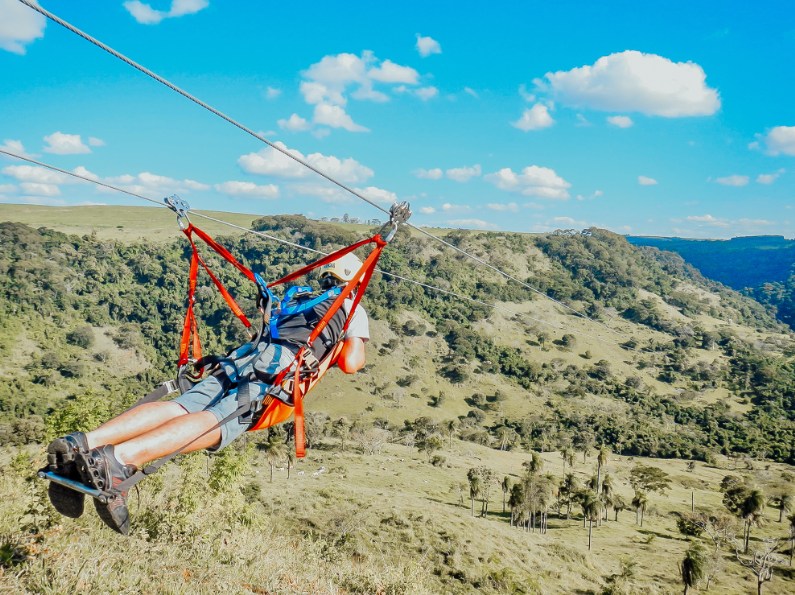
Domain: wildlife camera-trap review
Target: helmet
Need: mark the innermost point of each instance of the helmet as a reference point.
(344, 268)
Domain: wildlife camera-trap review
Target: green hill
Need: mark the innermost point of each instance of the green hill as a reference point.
(90, 322)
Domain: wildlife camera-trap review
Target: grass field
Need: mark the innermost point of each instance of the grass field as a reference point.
(386, 523)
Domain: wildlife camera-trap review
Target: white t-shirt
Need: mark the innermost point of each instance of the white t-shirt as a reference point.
(360, 325)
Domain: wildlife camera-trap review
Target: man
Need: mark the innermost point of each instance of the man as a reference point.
(114, 451)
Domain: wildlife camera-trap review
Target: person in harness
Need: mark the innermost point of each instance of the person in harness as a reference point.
(107, 456)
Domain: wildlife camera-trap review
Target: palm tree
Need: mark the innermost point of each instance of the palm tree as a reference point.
(601, 459)
(752, 509)
(506, 485)
(639, 502)
(785, 502)
(450, 426)
(618, 504)
(565, 454)
(291, 460)
(275, 451)
(534, 465)
(591, 510)
(694, 566)
(475, 489)
(607, 492)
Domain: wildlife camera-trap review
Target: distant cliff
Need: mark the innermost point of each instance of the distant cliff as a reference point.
(739, 263)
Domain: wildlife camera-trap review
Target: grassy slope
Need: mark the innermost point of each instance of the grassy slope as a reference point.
(557, 562)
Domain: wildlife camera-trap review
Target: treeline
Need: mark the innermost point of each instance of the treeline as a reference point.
(53, 285)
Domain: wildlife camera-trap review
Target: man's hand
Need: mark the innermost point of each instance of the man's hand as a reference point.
(351, 357)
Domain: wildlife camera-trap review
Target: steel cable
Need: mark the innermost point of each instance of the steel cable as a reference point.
(287, 153)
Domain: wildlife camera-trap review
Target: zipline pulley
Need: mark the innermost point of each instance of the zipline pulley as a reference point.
(399, 213)
(179, 206)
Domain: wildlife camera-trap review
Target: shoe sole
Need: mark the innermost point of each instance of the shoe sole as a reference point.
(61, 459)
(114, 515)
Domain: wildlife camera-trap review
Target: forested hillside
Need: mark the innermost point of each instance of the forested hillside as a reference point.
(468, 404)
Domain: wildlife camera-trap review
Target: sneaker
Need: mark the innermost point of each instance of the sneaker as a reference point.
(61, 454)
(100, 469)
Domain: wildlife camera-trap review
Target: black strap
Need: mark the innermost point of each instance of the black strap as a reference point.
(164, 389)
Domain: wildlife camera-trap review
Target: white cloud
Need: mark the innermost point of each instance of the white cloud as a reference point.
(389, 72)
(427, 46)
(448, 208)
(427, 210)
(767, 178)
(295, 124)
(270, 162)
(582, 121)
(38, 175)
(533, 181)
(65, 144)
(149, 182)
(528, 97)
(471, 92)
(463, 174)
(511, 207)
(532, 205)
(428, 174)
(82, 171)
(90, 203)
(644, 181)
(248, 189)
(146, 15)
(596, 194)
(319, 133)
(535, 118)
(631, 81)
(378, 195)
(271, 93)
(565, 222)
(16, 147)
(620, 121)
(335, 116)
(733, 180)
(476, 223)
(96, 142)
(706, 219)
(426, 93)
(19, 26)
(8, 189)
(780, 139)
(37, 189)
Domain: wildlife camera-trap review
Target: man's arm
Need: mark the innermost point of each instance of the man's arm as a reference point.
(351, 357)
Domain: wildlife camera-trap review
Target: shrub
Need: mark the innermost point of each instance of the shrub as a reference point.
(82, 336)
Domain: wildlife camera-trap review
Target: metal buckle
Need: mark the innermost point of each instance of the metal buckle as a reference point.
(171, 386)
(179, 206)
(399, 213)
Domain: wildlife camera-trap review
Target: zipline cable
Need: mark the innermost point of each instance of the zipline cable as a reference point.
(295, 245)
(287, 153)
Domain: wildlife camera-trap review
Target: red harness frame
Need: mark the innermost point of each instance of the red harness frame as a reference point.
(303, 379)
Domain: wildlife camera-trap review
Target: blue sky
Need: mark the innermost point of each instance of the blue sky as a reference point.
(660, 118)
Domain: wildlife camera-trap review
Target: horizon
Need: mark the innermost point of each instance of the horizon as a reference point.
(644, 131)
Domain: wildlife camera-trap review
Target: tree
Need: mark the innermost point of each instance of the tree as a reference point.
(565, 454)
(646, 479)
(430, 444)
(601, 459)
(591, 509)
(506, 485)
(342, 430)
(693, 567)
(746, 503)
(82, 336)
(459, 487)
(719, 527)
(275, 451)
(639, 503)
(535, 465)
(475, 487)
(761, 561)
(542, 338)
(451, 427)
(607, 492)
(292, 458)
(791, 519)
(784, 502)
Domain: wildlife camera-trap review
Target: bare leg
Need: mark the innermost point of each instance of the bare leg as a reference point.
(169, 437)
(134, 423)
